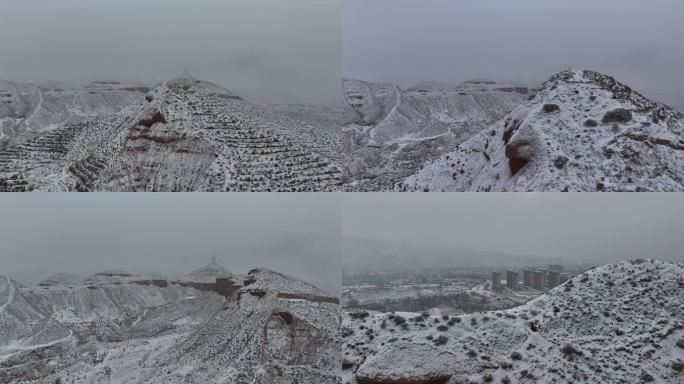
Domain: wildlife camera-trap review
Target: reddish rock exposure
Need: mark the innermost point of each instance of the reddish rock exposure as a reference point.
(309, 297)
(291, 339)
(157, 151)
(156, 282)
(518, 154)
(226, 286)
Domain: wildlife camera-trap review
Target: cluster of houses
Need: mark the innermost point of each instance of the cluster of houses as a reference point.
(532, 278)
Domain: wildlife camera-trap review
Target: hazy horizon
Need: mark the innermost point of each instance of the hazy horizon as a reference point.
(171, 234)
(260, 49)
(582, 228)
(405, 42)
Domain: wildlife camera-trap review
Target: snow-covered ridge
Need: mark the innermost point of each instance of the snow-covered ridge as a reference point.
(120, 327)
(583, 131)
(262, 280)
(390, 132)
(616, 323)
(184, 135)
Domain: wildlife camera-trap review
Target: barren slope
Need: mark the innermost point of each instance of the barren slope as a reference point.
(389, 132)
(619, 323)
(583, 131)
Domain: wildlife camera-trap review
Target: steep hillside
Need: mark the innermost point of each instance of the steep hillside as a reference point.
(50, 327)
(619, 323)
(280, 330)
(389, 132)
(583, 131)
(124, 328)
(185, 135)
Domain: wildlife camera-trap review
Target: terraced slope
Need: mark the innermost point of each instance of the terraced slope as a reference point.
(185, 135)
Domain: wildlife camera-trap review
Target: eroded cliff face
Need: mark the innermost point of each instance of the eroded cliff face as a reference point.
(390, 133)
(122, 328)
(278, 330)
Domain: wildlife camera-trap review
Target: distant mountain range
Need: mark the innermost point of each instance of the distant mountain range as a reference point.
(365, 253)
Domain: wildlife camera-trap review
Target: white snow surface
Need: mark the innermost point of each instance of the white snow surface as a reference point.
(184, 135)
(619, 323)
(564, 140)
(269, 280)
(112, 329)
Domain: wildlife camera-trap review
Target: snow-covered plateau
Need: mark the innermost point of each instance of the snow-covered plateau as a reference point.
(580, 131)
(183, 135)
(618, 323)
(115, 327)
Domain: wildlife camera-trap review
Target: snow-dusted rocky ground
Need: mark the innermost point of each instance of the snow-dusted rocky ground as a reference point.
(583, 131)
(619, 323)
(184, 135)
(389, 133)
(121, 328)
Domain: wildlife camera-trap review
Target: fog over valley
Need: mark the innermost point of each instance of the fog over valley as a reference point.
(406, 42)
(171, 235)
(260, 49)
(389, 230)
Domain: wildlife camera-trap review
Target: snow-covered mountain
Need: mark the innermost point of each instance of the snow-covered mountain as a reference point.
(28, 110)
(279, 330)
(117, 327)
(184, 135)
(583, 131)
(209, 273)
(619, 323)
(389, 133)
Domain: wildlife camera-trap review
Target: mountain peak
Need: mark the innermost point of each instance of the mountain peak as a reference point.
(583, 131)
(209, 273)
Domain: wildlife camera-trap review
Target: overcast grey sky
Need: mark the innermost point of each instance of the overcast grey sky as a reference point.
(591, 228)
(406, 41)
(276, 51)
(298, 234)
